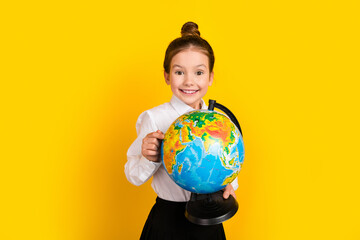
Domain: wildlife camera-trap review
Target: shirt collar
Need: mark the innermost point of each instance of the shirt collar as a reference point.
(181, 107)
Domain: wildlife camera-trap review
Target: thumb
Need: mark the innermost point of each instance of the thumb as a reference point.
(226, 194)
(161, 133)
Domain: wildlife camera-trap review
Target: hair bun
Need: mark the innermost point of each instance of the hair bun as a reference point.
(190, 29)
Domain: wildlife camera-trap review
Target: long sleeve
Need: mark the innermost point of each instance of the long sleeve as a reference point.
(137, 168)
(235, 184)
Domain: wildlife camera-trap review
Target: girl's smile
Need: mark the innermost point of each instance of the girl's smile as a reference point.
(188, 91)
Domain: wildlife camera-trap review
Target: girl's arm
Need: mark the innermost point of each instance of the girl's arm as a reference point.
(138, 169)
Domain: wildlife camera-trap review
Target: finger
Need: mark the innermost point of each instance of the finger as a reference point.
(161, 134)
(152, 135)
(151, 146)
(155, 138)
(150, 152)
(226, 194)
(152, 141)
(158, 134)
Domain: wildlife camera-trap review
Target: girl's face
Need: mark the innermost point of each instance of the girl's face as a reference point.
(189, 76)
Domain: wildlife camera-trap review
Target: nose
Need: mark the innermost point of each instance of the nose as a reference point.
(188, 80)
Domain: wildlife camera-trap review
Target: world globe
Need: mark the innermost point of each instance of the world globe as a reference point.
(202, 151)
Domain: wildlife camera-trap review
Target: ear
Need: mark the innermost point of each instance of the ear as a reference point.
(211, 79)
(167, 78)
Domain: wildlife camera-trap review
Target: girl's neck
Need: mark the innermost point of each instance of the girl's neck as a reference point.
(197, 106)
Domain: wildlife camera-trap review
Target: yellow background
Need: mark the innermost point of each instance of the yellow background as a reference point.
(75, 75)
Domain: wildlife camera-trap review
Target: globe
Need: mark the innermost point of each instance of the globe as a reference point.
(202, 151)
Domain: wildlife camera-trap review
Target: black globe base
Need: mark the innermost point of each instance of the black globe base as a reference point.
(210, 209)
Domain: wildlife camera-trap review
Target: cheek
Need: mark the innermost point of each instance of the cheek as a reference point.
(173, 86)
(206, 83)
(175, 81)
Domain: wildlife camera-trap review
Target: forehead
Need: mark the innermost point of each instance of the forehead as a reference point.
(190, 57)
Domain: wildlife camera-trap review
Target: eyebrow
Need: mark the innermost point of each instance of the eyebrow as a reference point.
(176, 65)
(200, 65)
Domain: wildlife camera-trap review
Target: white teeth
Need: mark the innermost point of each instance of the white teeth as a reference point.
(189, 91)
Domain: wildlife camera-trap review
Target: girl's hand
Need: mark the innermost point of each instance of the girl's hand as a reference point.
(150, 148)
(229, 190)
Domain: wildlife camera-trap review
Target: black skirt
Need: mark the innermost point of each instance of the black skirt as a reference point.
(167, 221)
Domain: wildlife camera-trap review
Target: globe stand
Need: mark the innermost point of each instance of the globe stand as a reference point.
(210, 209)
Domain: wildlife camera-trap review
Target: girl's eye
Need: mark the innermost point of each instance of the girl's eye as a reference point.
(179, 73)
(199, 73)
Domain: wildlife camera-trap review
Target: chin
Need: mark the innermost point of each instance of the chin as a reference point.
(189, 99)
(192, 103)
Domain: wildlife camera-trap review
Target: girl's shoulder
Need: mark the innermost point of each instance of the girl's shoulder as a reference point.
(159, 117)
(160, 109)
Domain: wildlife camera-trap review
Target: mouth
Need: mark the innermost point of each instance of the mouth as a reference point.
(188, 91)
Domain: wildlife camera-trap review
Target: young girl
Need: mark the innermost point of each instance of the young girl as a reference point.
(188, 69)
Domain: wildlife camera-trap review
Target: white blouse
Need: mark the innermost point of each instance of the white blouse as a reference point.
(138, 169)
